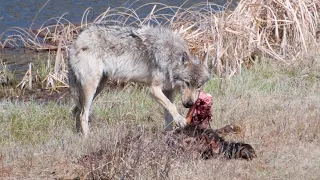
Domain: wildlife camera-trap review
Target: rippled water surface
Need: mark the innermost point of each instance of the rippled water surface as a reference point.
(21, 13)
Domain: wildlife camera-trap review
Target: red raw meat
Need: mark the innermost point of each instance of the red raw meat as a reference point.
(200, 113)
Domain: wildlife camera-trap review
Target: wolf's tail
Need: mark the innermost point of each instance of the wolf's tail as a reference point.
(75, 89)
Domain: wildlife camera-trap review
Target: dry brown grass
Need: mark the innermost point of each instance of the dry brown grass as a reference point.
(277, 106)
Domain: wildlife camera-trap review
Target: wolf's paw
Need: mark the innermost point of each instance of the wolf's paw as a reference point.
(180, 121)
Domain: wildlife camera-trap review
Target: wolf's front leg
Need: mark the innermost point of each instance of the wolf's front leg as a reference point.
(156, 91)
(168, 119)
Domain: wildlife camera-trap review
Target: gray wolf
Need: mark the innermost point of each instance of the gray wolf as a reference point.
(155, 56)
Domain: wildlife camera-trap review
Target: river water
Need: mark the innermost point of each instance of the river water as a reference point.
(32, 13)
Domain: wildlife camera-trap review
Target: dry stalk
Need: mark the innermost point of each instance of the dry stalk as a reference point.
(27, 79)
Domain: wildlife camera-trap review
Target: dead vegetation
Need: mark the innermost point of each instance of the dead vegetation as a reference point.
(283, 30)
(277, 107)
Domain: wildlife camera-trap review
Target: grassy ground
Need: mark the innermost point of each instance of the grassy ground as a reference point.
(277, 106)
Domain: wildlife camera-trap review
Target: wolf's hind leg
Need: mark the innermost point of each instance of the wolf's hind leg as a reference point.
(100, 87)
(167, 116)
(102, 84)
(89, 89)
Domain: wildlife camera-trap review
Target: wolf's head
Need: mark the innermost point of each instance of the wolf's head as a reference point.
(191, 75)
(171, 53)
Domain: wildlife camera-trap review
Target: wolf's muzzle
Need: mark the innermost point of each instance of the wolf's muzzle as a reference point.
(188, 104)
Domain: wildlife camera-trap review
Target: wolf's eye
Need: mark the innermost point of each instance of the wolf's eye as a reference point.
(184, 57)
(187, 83)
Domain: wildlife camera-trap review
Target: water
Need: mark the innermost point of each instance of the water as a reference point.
(22, 13)
(33, 13)
(17, 60)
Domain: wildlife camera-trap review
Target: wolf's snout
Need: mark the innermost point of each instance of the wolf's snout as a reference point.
(188, 104)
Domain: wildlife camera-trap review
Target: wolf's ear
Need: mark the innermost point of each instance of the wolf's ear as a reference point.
(138, 34)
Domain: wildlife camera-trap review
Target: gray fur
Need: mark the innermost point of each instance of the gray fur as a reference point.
(154, 56)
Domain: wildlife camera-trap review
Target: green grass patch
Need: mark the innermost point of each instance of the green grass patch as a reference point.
(32, 123)
(277, 106)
